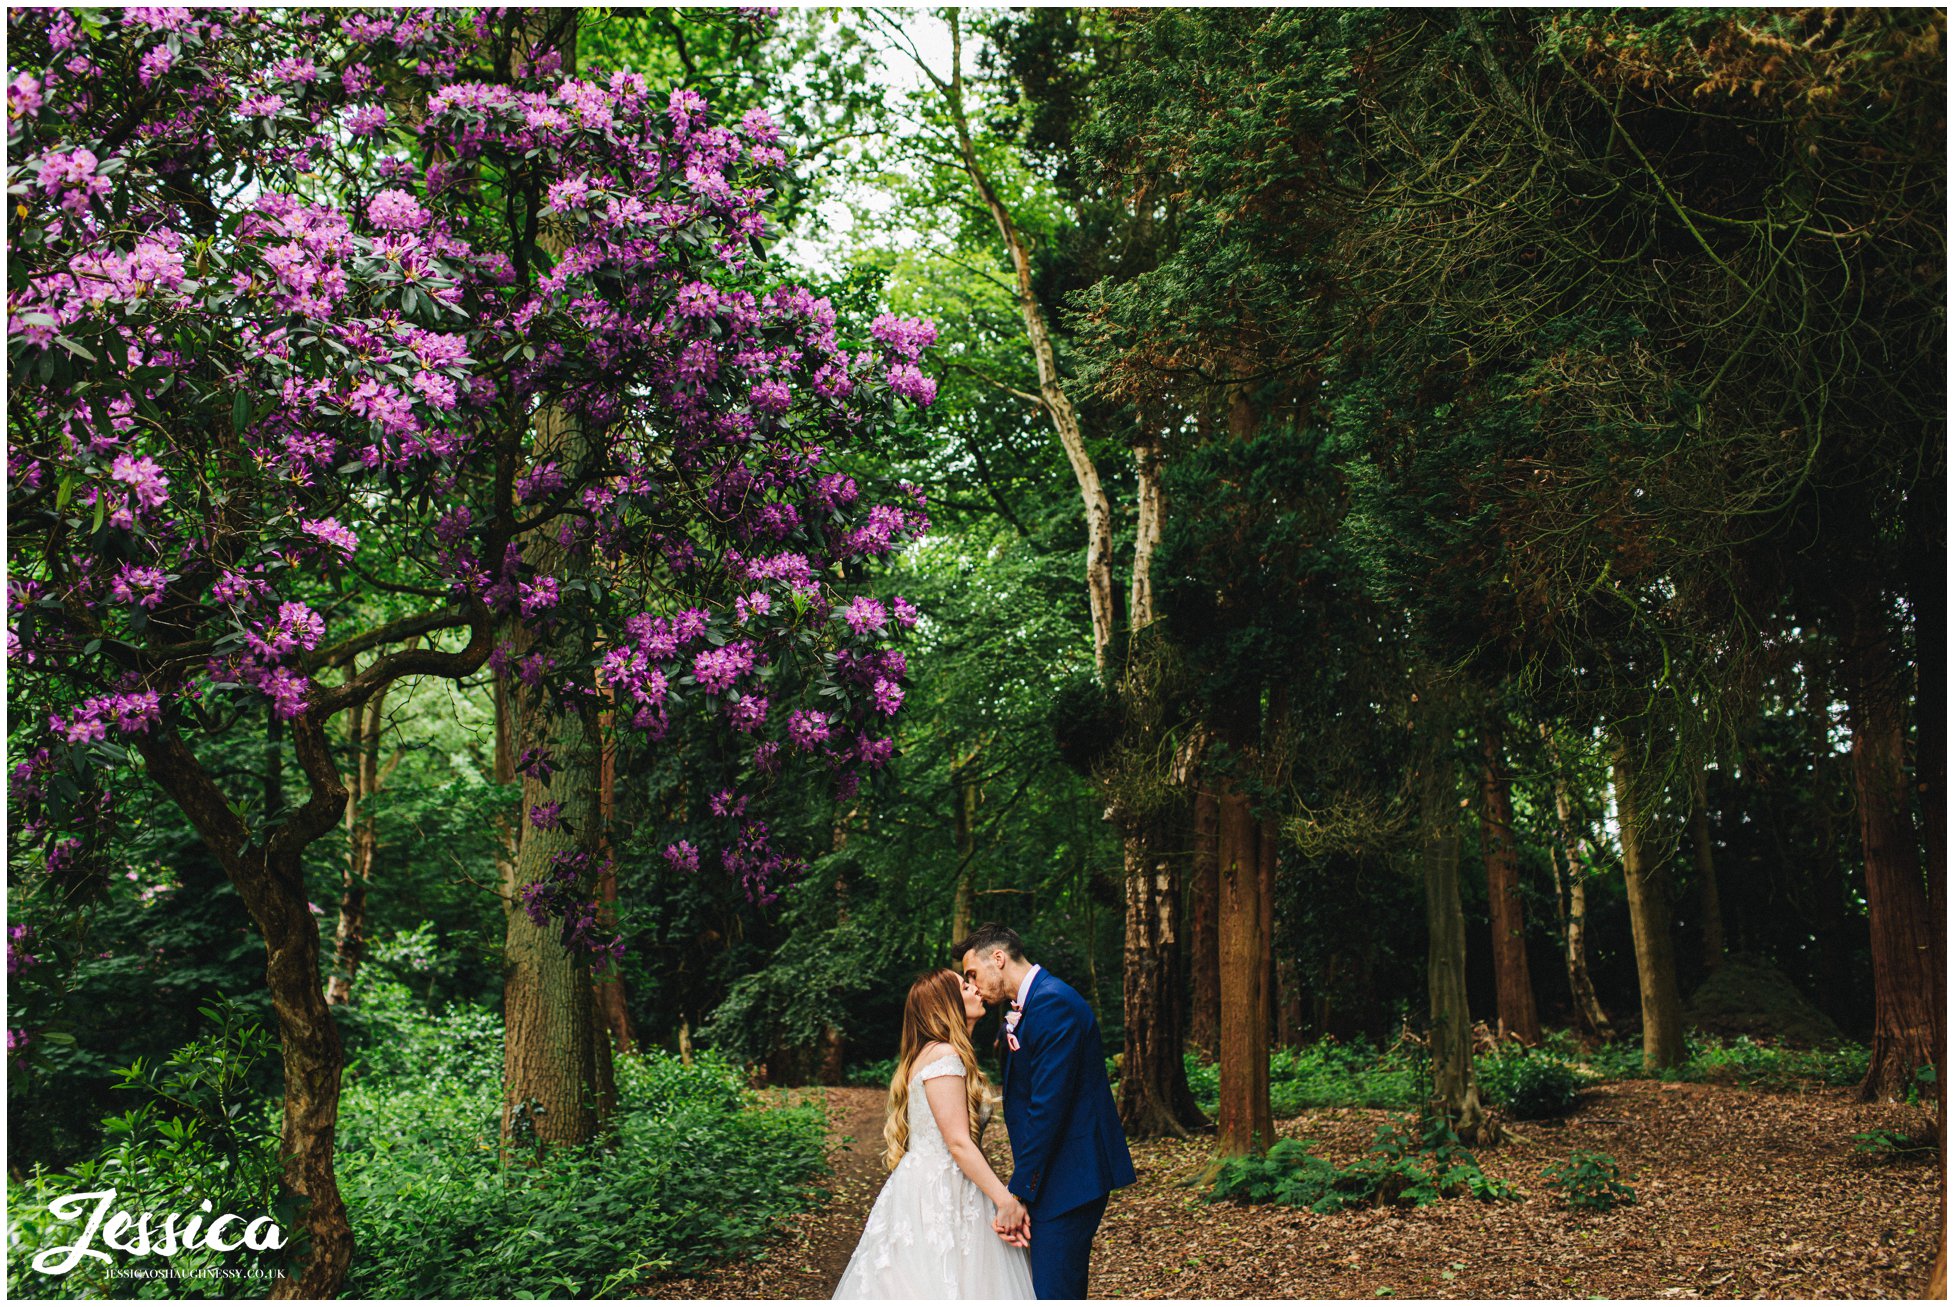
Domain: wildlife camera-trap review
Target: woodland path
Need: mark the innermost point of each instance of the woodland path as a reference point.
(1740, 1193)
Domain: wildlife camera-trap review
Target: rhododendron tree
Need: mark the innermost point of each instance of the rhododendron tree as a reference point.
(297, 298)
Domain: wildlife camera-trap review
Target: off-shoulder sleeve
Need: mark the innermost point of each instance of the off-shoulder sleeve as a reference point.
(950, 1064)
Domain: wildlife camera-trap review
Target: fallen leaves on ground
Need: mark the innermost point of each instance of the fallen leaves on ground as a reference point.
(1739, 1193)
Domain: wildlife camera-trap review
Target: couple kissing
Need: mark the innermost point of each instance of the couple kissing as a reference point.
(944, 1224)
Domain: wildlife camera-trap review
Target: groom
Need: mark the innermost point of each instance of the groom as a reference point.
(1067, 1148)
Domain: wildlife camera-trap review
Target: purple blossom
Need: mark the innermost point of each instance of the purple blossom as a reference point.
(139, 585)
(905, 612)
(682, 856)
(396, 210)
(546, 816)
(908, 337)
(887, 695)
(865, 614)
(716, 669)
(749, 714)
(328, 531)
(906, 380)
(807, 727)
(366, 119)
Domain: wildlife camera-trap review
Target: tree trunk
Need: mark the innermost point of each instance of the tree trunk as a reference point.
(1649, 920)
(1571, 901)
(1290, 1019)
(964, 799)
(270, 880)
(1455, 1091)
(1706, 870)
(1204, 951)
(1151, 504)
(364, 725)
(550, 1086)
(1268, 844)
(1513, 980)
(1154, 1098)
(1244, 1122)
(1051, 389)
(613, 1005)
(1909, 983)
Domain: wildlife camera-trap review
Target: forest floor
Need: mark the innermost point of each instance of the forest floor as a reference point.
(1739, 1193)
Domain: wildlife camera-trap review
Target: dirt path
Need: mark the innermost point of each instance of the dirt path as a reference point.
(1739, 1194)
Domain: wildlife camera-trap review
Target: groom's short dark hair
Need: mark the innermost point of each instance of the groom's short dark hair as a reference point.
(990, 936)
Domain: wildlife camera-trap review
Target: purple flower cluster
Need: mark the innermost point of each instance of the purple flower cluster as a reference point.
(370, 339)
(563, 892)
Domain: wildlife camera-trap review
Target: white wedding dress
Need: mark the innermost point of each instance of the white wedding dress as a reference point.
(929, 1234)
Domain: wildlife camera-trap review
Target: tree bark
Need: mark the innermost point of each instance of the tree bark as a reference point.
(1051, 389)
(1244, 1123)
(964, 799)
(1268, 844)
(1571, 901)
(1708, 897)
(1512, 978)
(1649, 920)
(1909, 980)
(1154, 1098)
(1204, 951)
(613, 1005)
(550, 1087)
(1455, 1091)
(364, 725)
(270, 879)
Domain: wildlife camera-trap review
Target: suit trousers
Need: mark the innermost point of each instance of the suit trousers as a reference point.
(1061, 1249)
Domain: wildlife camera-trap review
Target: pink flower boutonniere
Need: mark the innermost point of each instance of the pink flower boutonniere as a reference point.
(1011, 1026)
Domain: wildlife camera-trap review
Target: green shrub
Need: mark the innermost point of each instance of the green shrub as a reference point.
(195, 1132)
(1590, 1181)
(1529, 1085)
(697, 1170)
(872, 1075)
(1411, 1162)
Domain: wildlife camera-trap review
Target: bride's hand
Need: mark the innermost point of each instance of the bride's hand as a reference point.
(1013, 1223)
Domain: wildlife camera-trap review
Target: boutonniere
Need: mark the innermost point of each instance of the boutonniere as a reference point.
(1011, 1026)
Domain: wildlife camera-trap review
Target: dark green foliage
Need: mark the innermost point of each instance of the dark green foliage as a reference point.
(1589, 1181)
(198, 1129)
(699, 1168)
(1411, 1162)
(1086, 720)
(1530, 1085)
(1892, 1145)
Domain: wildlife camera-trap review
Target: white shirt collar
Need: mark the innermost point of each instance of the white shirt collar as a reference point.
(1024, 987)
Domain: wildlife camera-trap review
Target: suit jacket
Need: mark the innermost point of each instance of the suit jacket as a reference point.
(1066, 1142)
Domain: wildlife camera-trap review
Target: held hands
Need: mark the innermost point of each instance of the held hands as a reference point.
(1013, 1223)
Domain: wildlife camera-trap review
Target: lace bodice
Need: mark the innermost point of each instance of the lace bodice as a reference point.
(923, 1134)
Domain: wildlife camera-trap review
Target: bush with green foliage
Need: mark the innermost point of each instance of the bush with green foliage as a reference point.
(698, 1168)
(1590, 1181)
(197, 1132)
(1412, 1161)
(1529, 1085)
(872, 1075)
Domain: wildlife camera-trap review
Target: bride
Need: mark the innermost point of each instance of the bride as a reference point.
(930, 1233)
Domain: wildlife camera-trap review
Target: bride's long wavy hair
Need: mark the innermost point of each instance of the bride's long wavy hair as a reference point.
(933, 1013)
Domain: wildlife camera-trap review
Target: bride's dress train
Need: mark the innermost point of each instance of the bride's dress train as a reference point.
(929, 1234)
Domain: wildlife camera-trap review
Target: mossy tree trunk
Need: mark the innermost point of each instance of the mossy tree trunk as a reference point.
(1649, 918)
(1513, 981)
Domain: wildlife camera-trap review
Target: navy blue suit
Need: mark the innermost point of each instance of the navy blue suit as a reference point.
(1067, 1147)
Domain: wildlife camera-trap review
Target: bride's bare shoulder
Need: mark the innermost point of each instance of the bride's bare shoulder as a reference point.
(932, 1051)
